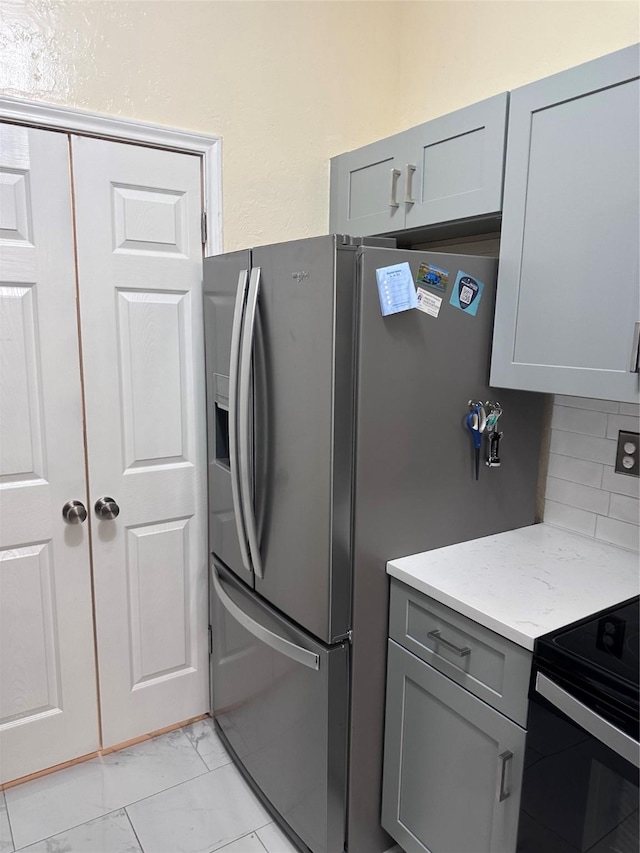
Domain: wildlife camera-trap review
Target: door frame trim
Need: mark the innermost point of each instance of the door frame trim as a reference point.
(87, 123)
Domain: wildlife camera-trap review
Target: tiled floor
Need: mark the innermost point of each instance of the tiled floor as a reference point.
(177, 793)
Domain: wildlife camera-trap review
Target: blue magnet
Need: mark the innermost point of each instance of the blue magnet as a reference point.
(466, 293)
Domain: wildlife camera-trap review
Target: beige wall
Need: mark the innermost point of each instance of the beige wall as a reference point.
(461, 52)
(289, 84)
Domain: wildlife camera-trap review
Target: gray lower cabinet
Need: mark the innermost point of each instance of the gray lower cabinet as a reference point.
(568, 299)
(452, 764)
(446, 169)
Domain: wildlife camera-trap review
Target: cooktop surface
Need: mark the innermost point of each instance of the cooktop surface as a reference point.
(599, 656)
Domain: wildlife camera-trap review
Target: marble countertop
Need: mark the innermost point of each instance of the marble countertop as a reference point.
(526, 582)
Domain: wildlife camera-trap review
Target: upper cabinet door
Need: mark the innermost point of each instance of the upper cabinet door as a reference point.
(568, 296)
(366, 188)
(455, 164)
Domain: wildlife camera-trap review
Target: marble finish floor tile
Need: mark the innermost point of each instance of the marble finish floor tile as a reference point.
(274, 839)
(6, 841)
(111, 833)
(73, 796)
(208, 744)
(200, 815)
(246, 844)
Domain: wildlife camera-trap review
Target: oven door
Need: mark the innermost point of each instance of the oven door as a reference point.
(580, 783)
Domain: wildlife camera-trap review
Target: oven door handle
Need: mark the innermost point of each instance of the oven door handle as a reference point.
(625, 746)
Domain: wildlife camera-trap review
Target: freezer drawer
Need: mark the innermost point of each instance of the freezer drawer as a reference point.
(281, 699)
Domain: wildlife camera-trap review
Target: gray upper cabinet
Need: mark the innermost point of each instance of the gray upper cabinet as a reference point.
(446, 169)
(568, 301)
(365, 187)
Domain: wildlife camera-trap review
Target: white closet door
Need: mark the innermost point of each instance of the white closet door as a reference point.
(48, 707)
(140, 272)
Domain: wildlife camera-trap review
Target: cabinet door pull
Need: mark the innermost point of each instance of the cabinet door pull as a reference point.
(504, 758)
(408, 190)
(395, 174)
(635, 350)
(437, 636)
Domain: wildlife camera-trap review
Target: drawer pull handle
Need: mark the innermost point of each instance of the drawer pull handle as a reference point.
(437, 636)
(504, 792)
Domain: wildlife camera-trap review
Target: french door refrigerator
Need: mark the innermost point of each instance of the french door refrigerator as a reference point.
(337, 441)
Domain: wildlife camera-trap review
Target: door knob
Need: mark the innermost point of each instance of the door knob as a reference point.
(74, 512)
(106, 508)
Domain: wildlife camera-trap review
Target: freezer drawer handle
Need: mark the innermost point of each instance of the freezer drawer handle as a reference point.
(236, 329)
(244, 420)
(437, 636)
(588, 720)
(277, 643)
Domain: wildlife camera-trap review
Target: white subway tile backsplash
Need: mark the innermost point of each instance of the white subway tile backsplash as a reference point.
(583, 491)
(621, 484)
(625, 509)
(570, 518)
(587, 403)
(632, 409)
(575, 470)
(618, 533)
(576, 495)
(625, 422)
(580, 420)
(588, 447)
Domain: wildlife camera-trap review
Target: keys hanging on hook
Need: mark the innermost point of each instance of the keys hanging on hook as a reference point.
(494, 410)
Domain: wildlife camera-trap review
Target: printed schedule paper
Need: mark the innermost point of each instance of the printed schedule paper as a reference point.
(396, 289)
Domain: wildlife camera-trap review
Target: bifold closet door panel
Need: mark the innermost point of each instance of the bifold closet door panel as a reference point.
(140, 272)
(48, 703)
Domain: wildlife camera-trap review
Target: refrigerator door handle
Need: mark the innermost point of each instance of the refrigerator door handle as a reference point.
(274, 641)
(244, 421)
(234, 376)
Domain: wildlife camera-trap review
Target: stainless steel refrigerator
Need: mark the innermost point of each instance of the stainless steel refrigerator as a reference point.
(337, 441)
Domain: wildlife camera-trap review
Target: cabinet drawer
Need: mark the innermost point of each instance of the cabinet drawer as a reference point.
(488, 665)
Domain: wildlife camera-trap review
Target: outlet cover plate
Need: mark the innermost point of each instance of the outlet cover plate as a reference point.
(628, 449)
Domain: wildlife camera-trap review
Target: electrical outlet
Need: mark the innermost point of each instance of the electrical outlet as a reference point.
(628, 453)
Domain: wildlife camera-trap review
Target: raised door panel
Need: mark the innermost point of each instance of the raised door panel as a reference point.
(140, 270)
(568, 289)
(366, 189)
(459, 162)
(48, 708)
(443, 748)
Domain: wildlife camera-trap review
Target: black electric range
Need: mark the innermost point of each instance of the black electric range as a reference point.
(597, 660)
(580, 783)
